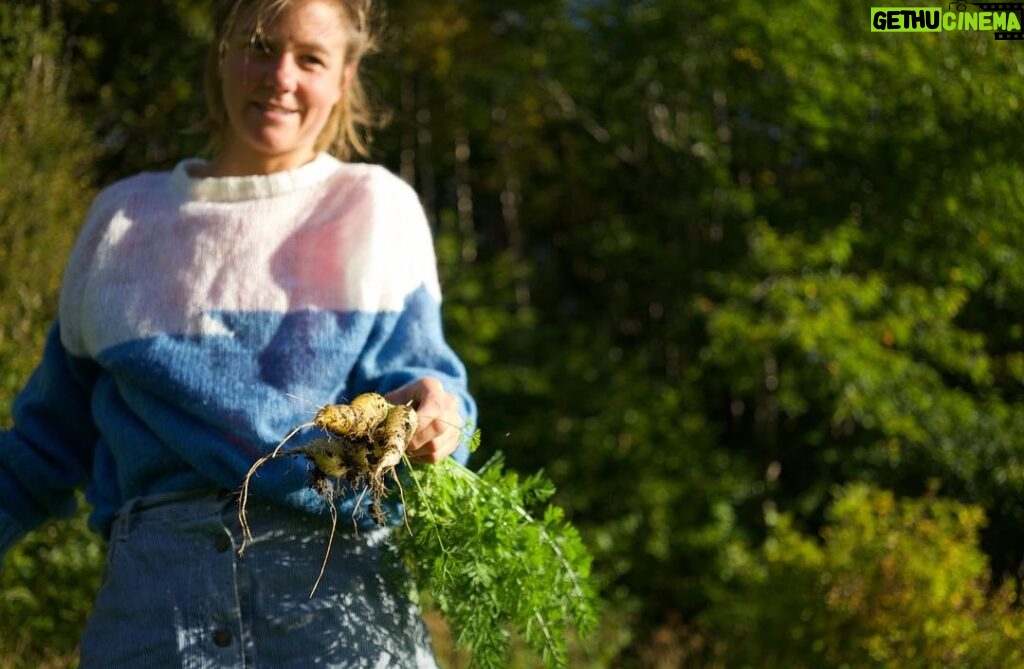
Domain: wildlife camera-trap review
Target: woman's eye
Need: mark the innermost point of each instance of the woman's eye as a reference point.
(260, 45)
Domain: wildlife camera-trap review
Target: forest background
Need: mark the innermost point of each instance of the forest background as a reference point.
(745, 279)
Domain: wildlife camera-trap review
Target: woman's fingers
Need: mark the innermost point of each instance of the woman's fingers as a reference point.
(437, 432)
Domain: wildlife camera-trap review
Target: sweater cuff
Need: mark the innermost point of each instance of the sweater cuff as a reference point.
(10, 532)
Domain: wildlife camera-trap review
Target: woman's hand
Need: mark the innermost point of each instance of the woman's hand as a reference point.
(437, 433)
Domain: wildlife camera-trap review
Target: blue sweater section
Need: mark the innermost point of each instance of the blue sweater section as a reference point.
(174, 413)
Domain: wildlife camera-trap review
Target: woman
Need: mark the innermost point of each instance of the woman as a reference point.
(205, 312)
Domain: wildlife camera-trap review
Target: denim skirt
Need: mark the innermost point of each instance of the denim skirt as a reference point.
(176, 593)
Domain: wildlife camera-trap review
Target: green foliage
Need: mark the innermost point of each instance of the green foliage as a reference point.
(856, 335)
(49, 580)
(891, 582)
(136, 69)
(47, 588)
(45, 188)
(763, 254)
(490, 567)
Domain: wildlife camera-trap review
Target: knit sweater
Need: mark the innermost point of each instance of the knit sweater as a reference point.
(201, 319)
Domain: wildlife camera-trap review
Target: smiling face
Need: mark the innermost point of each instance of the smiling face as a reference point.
(279, 86)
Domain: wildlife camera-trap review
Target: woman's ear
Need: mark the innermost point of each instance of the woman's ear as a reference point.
(347, 75)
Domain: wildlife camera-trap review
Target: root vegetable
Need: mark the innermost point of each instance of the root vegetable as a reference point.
(366, 440)
(488, 564)
(391, 441)
(327, 458)
(356, 419)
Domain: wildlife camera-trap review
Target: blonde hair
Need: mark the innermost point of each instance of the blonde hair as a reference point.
(347, 131)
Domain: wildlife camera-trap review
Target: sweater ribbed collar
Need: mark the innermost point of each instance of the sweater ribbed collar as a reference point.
(252, 187)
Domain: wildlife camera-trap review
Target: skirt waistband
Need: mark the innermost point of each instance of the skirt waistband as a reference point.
(182, 508)
(153, 501)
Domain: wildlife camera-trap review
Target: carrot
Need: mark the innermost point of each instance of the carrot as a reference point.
(328, 457)
(366, 440)
(356, 419)
(392, 440)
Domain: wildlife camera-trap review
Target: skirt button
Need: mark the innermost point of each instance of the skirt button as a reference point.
(222, 637)
(222, 543)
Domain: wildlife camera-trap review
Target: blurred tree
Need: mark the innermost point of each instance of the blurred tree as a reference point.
(762, 255)
(872, 333)
(136, 70)
(893, 583)
(48, 581)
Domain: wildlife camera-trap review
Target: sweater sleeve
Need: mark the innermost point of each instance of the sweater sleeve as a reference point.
(48, 452)
(409, 344)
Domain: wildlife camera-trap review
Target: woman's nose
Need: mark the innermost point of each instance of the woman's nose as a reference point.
(281, 72)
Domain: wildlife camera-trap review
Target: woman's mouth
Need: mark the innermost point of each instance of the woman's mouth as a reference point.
(272, 109)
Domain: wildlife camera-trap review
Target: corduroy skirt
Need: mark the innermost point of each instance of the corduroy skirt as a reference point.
(176, 593)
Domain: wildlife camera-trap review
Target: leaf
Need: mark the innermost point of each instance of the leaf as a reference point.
(493, 570)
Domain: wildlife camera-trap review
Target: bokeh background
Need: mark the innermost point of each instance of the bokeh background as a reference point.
(743, 278)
